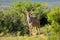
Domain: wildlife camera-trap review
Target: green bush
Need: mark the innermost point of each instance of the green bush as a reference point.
(54, 15)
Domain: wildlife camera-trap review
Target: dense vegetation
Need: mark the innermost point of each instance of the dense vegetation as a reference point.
(13, 21)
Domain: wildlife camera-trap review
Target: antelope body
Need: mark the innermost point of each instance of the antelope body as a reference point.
(32, 22)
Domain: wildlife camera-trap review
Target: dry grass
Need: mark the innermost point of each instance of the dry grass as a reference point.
(38, 37)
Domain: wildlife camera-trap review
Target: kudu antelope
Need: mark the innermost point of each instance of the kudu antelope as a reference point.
(32, 22)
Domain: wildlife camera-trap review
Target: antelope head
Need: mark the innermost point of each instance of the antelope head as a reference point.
(28, 12)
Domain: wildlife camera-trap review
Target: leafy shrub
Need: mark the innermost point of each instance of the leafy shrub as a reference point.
(54, 15)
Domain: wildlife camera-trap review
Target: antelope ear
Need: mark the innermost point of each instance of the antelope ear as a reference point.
(25, 11)
(31, 12)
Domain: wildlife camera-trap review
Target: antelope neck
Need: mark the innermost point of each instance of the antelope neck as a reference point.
(28, 17)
